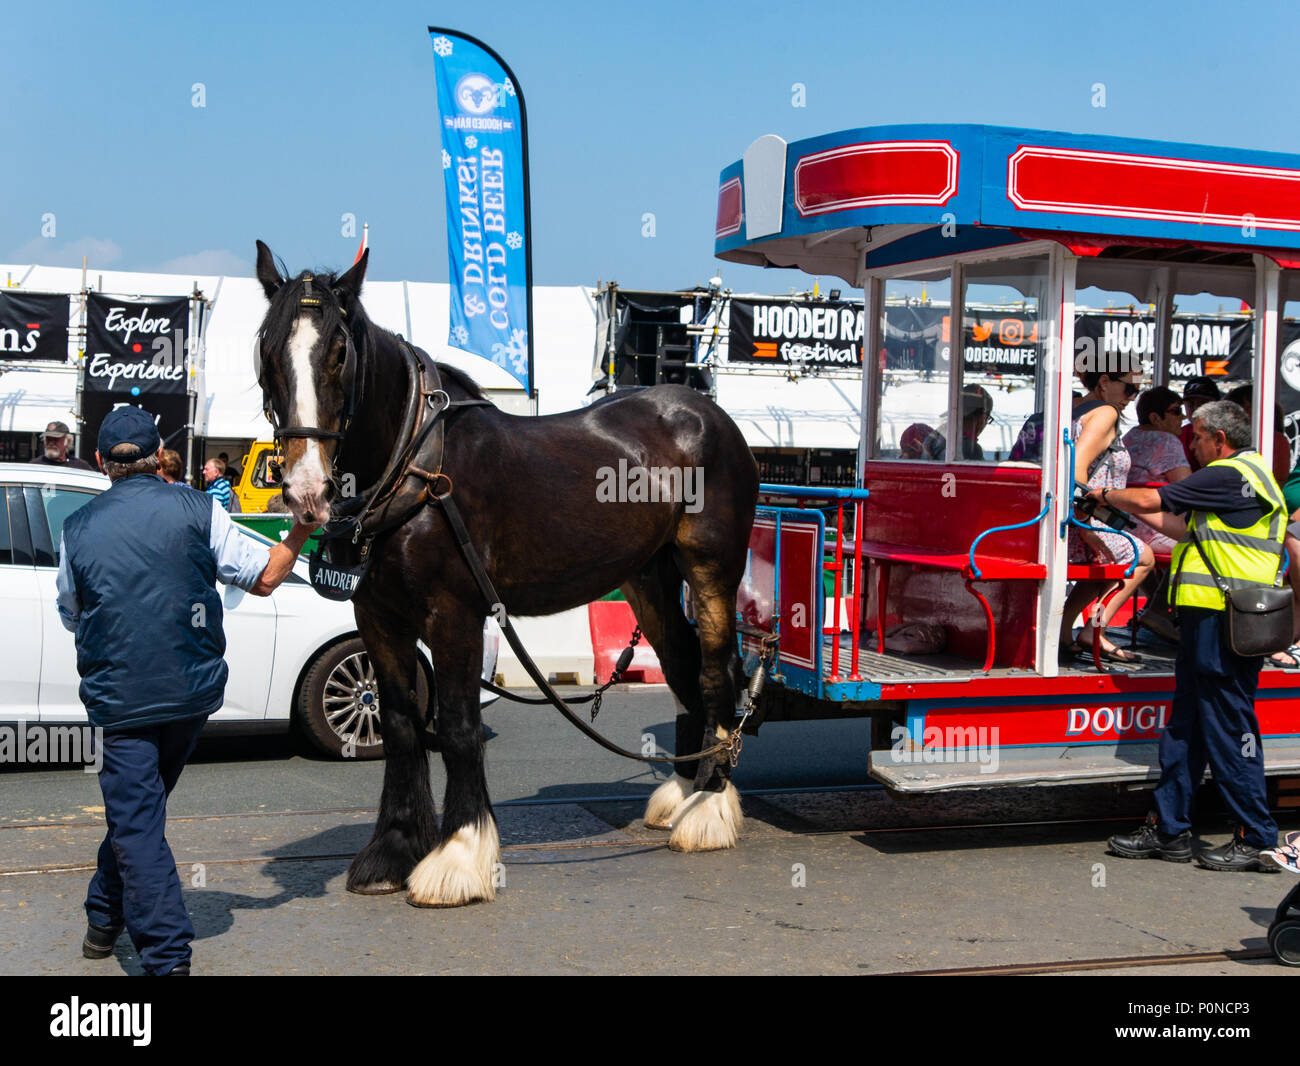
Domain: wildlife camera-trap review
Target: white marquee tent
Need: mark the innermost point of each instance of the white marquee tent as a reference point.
(771, 411)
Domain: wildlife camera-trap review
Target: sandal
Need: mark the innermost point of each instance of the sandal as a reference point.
(1119, 655)
(1293, 656)
(1286, 856)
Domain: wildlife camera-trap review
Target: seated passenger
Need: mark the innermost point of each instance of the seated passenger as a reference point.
(911, 445)
(976, 408)
(1156, 450)
(1029, 444)
(1243, 396)
(1155, 443)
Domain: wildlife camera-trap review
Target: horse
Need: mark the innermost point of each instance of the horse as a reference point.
(548, 505)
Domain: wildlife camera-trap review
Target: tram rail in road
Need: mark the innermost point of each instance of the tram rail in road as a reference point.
(583, 851)
(994, 879)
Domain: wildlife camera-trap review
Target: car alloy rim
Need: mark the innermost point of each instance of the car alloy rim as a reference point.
(352, 701)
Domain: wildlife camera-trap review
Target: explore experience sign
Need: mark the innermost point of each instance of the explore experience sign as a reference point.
(136, 347)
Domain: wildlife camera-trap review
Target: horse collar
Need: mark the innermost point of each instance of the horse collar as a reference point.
(416, 457)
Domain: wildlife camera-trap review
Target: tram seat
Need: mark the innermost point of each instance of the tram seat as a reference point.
(987, 568)
(925, 517)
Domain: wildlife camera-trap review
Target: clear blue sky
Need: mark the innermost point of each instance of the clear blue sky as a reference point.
(318, 109)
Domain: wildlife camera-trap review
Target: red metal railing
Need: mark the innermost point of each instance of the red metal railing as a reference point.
(808, 496)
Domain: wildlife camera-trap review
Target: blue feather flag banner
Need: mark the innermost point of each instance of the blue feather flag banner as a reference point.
(485, 171)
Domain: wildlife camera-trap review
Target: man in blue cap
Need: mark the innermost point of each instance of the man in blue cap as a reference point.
(137, 575)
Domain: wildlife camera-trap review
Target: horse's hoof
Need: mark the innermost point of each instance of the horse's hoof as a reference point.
(461, 870)
(708, 821)
(377, 888)
(379, 868)
(665, 800)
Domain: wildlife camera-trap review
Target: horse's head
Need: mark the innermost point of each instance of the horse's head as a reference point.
(307, 366)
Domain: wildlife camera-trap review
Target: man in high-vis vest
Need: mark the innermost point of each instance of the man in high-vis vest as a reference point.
(1240, 518)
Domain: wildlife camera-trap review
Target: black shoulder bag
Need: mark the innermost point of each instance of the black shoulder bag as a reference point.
(1259, 618)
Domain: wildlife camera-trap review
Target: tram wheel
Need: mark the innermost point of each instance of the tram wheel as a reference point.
(339, 699)
(1284, 941)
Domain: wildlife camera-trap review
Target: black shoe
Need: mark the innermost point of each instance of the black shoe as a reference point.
(1147, 842)
(98, 942)
(183, 970)
(1236, 855)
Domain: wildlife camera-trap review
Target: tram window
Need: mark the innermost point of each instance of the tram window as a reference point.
(1211, 325)
(1004, 341)
(913, 393)
(1288, 361)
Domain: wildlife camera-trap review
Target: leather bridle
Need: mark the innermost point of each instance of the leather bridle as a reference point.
(414, 468)
(351, 360)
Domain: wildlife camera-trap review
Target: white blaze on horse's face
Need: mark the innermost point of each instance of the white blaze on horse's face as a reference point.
(307, 480)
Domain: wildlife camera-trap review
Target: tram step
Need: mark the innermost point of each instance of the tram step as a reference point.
(940, 769)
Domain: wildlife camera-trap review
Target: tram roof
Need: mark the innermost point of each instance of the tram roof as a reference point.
(858, 199)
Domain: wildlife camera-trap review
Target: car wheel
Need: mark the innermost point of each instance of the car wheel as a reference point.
(339, 700)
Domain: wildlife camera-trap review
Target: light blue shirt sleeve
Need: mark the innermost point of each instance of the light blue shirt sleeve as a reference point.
(240, 559)
(68, 601)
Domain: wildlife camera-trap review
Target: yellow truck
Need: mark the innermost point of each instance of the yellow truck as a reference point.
(259, 477)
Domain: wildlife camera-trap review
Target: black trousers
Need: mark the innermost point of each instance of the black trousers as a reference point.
(1214, 723)
(136, 882)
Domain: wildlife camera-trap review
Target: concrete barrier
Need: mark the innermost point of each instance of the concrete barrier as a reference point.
(560, 645)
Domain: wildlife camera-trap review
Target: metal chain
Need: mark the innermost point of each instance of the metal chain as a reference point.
(735, 742)
(616, 675)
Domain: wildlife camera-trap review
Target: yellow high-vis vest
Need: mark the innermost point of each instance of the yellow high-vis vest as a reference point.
(1242, 557)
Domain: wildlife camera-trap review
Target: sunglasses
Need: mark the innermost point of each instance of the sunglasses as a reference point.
(1130, 389)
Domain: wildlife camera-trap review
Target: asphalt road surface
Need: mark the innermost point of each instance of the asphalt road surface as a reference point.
(832, 874)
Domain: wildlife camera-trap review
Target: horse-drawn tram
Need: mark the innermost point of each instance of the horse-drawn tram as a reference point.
(951, 562)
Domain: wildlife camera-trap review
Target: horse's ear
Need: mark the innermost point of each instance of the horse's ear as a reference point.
(349, 285)
(267, 272)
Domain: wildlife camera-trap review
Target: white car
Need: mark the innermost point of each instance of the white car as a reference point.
(294, 656)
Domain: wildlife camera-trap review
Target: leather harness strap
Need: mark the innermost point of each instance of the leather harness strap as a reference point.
(392, 500)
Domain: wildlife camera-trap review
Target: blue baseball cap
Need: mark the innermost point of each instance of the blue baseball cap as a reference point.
(128, 425)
